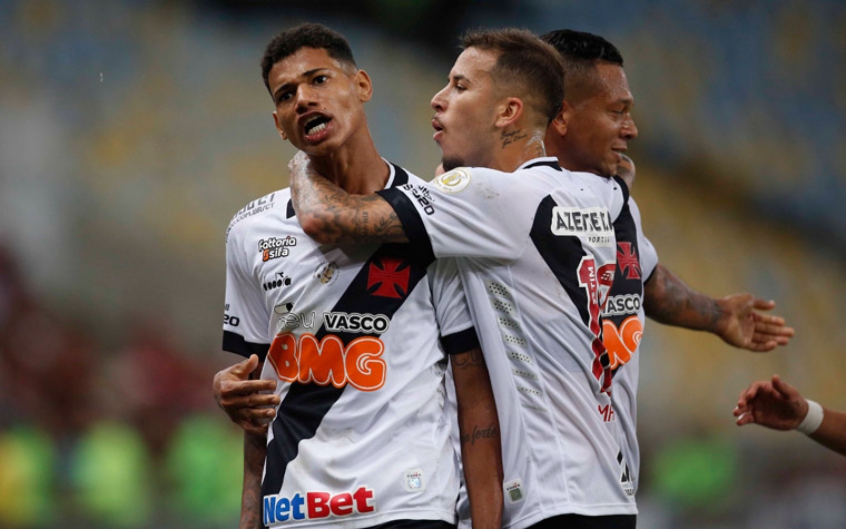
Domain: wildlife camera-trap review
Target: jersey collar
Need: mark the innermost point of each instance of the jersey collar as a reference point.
(547, 161)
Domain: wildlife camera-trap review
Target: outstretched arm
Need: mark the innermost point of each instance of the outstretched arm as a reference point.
(736, 318)
(779, 406)
(478, 426)
(330, 215)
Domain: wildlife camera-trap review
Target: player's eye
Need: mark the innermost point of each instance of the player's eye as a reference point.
(320, 79)
(460, 87)
(285, 96)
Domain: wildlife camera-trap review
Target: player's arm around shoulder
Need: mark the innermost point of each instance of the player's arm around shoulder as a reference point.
(478, 425)
(330, 215)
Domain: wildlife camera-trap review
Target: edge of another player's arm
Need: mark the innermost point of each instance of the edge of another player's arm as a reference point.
(478, 424)
(832, 431)
(255, 451)
(777, 405)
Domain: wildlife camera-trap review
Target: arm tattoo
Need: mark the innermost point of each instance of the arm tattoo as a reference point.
(510, 137)
(669, 300)
(340, 218)
(491, 432)
(251, 510)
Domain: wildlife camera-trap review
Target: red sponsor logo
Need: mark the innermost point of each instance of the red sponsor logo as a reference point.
(606, 412)
(390, 275)
(621, 342)
(316, 505)
(329, 361)
(596, 283)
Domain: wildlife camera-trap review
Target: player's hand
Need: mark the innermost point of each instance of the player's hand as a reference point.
(247, 402)
(771, 403)
(743, 325)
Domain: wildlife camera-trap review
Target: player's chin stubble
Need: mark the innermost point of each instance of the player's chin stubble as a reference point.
(451, 163)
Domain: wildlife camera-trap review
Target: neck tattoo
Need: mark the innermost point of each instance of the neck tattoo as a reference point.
(511, 137)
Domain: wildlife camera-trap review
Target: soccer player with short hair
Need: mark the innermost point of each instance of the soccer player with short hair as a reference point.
(591, 134)
(536, 252)
(350, 333)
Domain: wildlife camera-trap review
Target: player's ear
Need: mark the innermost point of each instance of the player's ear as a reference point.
(509, 112)
(562, 119)
(364, 85)
(279, 127)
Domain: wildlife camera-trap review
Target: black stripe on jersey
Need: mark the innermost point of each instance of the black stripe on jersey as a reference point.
(628, 278)
(235, 343)
(460, 342)
(290, 210)
(622, 183)
(305, 405)
(413, 225)
(545, 163)
(400, 176)
(562, 254)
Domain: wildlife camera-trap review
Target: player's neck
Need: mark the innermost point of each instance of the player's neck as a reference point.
(355, 167)
(566, 158)
(516, 147)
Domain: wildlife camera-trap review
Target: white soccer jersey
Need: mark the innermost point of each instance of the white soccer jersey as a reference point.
(351, 334)
(623, 323)
(539, 257)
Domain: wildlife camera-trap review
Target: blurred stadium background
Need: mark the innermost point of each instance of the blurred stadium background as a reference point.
(131, 131)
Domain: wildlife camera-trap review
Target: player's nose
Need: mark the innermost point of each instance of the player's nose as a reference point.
(305, 98)
(629, 128)
(438, 101)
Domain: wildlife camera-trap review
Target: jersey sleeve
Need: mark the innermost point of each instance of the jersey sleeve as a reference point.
(456, 325)
(648, 253)
(471, 212)
(245, 318)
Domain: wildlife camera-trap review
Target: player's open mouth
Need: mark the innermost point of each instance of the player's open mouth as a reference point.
(316, 128)
(439, 129)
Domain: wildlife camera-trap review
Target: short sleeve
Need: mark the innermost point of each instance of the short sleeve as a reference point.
(648, 253)
(471, 212)
(456, 325)
(245, 319)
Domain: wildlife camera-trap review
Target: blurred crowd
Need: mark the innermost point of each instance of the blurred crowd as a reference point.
(93, 437)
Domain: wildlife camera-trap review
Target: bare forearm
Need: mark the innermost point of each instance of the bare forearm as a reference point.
(668, 300)
(481, 450)
(330, 215)
(832, 431)
(255, 451)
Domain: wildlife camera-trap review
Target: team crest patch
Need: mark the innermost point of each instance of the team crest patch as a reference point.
(454, 181)
(389, 276)
(326, 273)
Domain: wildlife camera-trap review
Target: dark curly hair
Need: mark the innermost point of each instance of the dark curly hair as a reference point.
(315, 36)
